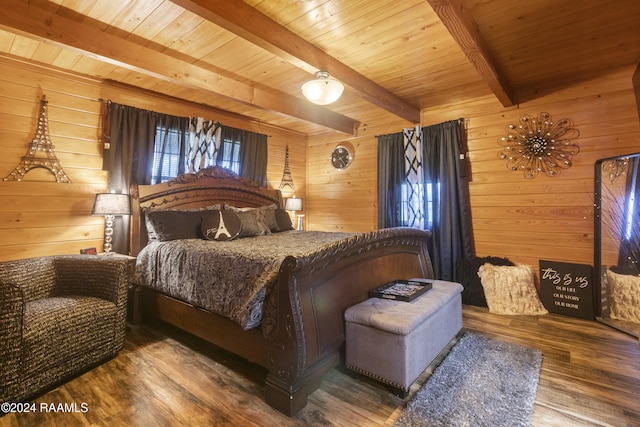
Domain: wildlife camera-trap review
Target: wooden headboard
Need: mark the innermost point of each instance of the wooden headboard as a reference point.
(213, 185)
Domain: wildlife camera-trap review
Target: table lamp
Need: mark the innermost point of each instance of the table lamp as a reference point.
(294, 205)
(109, 205)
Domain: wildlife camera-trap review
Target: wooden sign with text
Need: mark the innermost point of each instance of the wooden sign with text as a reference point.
(567, 288)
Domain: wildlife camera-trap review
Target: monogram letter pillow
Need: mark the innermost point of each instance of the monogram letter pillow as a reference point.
(221, 225)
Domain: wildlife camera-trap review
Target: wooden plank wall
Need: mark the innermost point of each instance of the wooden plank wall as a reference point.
(41, 217)
(524, 220)
(347, 200)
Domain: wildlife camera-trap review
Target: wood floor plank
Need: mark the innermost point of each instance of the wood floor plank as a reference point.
(590, 376)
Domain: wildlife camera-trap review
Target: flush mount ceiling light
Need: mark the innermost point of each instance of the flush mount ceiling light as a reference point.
(322, 91)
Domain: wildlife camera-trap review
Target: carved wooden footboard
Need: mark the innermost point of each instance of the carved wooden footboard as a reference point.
(314, 292)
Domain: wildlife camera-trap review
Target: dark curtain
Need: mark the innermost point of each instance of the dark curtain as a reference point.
(253, 155)
(129, 158)
(390, 178)
(131, 134)
(629, 256)
(444, 163)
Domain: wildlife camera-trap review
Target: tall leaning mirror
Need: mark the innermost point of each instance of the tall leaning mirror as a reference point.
(617, 242)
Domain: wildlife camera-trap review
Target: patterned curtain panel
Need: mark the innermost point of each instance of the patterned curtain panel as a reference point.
(204, 143)
(415, 190)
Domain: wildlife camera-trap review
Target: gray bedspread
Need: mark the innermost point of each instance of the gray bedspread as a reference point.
(230, 278)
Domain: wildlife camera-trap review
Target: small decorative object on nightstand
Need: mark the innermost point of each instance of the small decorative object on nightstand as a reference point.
(109, 205)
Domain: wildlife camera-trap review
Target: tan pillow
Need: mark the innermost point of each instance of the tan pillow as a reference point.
(624, 296)
(510, 289)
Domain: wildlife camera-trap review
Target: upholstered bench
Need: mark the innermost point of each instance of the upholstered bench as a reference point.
(394, 341)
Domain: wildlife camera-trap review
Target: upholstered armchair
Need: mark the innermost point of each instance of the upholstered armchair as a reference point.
(59, 316)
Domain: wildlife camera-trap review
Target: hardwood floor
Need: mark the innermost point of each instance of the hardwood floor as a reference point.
(590, 376)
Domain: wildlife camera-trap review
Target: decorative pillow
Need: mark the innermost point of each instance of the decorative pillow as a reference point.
(510, 289)
(624, 296)
(467, 275)
(252, 220)
(173, 225)
(283, 219)
(200, 209)
(214, 207)
(221, 225)
(269, 217)
(151, 234)
(149, 226)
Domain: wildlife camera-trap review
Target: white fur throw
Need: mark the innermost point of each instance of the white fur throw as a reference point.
(510, 289)
(624, 297)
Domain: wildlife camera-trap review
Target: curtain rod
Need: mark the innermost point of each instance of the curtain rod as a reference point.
(108, 101)
(459, 120)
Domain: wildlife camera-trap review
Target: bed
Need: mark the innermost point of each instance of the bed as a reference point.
(300, 333)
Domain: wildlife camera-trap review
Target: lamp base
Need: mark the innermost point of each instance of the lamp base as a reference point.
(108, 233)
(300, 223)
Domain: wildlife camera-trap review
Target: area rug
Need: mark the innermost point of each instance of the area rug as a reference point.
(482, 382)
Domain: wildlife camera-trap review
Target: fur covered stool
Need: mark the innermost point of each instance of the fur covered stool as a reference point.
(394, 341)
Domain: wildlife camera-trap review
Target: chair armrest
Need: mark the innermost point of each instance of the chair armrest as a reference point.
(99, 276)
(36, 277)
(11, 320)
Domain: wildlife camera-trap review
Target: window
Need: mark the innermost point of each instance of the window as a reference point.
(171, 150)
(168, 149)
(231, 155)
(413, 206)
(166, 154)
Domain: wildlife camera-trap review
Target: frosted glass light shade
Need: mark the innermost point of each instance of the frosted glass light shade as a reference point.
(321, 90)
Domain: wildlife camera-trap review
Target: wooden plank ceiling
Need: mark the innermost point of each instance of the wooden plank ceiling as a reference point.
(394, 57)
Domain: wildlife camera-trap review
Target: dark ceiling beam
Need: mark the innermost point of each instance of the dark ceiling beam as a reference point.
(460, 24)
(248, 23)
(21, 18)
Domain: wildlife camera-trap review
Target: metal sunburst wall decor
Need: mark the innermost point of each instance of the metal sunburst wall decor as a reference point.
(539, 145)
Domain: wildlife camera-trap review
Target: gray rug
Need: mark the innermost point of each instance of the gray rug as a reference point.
(482, 382)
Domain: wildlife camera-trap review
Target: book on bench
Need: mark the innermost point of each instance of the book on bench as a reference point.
(402, 290)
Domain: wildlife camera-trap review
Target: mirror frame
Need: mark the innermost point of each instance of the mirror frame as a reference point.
(599, 269)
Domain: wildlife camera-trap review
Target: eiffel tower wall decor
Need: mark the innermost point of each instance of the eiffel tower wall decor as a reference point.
(40, 152)
(287, 180)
